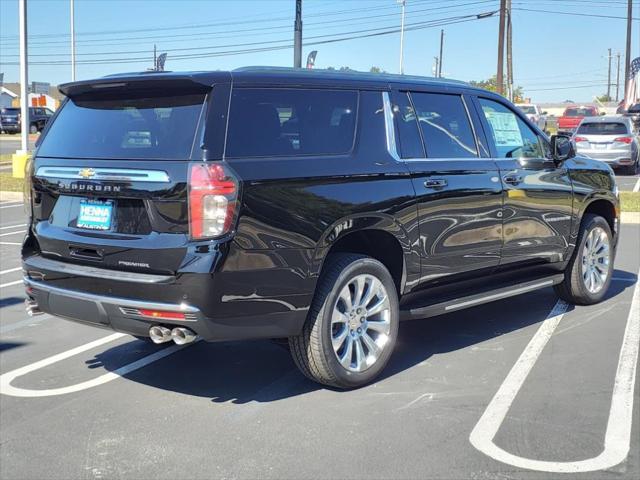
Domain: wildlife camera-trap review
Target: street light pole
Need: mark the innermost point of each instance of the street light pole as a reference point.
(500, 72)
(73, 42)
(24, 79)
(402, 3)
(627, 59)
(440, 58)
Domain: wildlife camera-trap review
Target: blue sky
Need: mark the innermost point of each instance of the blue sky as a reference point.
(556, 56)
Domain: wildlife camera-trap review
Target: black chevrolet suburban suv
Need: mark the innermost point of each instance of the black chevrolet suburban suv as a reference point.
(317, 206)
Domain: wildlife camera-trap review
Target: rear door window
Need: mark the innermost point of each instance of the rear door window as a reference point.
(408, 130)
(129, 128)
(275, 122)
(603, 128)
(446, 129)
(511, 136)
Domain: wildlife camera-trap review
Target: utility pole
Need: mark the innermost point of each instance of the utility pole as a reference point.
(500, 72)
(627, 62)
(609, 78)
(509, 52)
(297, 36)
(73, 42)
(24, 78)
(436, 62)
(440, 58)
(402, 3)
(618, 78)
(155, 58)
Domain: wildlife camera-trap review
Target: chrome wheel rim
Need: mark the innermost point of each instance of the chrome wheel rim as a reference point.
(595, 260)
(360, 323)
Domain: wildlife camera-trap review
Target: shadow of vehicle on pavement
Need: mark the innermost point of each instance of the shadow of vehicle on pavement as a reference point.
(261, 371)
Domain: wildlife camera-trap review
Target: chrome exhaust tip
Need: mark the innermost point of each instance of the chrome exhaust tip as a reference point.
(32, 307)
(182, 336)
(159, 334)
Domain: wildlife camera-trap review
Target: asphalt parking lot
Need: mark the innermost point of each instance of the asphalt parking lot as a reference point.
(522, 388)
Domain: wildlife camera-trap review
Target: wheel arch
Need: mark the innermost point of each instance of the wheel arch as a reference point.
(379, 236)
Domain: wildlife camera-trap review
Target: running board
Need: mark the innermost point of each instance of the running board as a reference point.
(480, 298)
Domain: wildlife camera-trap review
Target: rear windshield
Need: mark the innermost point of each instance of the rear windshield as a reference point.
(267, 122)
(9, 111)
(579, 112)
(527, 109)
(132, 128)
(602, 128)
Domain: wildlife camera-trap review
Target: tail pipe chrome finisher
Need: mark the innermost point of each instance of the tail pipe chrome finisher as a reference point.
(32, 307)
(160, 334)
(182, 336)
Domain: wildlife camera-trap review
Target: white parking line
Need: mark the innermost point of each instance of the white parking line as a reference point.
(7, 389)
(19, 225)
(10, 270)
(11, 206)
(11, 283)
(617, 439)
(10, 243)
(12, 233)
(636, 187)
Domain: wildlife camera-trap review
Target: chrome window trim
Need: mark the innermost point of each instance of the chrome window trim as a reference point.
(392, 146)
(107, 174)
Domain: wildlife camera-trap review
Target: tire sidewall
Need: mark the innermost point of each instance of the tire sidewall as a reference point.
(590, 224)
(374, 268)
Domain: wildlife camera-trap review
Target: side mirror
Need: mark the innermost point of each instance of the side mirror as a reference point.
(562, 147)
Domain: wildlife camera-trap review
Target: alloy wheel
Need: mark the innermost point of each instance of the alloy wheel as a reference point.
(595, 260)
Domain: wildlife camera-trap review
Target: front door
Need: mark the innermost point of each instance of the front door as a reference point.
(459, 194)
(537, 191)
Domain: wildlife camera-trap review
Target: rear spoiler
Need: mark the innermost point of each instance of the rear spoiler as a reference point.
(146, 82)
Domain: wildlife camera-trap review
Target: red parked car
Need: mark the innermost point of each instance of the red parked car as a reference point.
(573, 115)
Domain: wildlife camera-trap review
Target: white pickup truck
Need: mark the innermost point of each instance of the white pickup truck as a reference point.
(535, 114)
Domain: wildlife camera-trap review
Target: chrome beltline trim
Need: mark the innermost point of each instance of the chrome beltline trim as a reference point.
(108, 174)
(121, 302)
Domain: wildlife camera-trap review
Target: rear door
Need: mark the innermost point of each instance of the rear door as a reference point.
(537, 192)
(458, 188)
(110, 177)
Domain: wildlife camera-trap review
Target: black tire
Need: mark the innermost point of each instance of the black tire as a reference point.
(312, 351)
(574, 289)
(634, 168)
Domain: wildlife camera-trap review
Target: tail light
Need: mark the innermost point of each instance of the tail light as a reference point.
(213, 195)
(626, 140)
(580, 139)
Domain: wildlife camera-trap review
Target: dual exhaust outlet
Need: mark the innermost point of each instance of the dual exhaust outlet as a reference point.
(180, 335)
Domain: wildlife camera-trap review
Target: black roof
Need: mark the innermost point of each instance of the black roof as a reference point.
(275, 75)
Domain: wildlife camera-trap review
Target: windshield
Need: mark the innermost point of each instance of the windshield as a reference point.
(10, 111)
(527, 109)
(602, 128)
(579, 112)
(129, 128)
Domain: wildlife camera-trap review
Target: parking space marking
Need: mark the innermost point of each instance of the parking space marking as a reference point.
(11, 283)
(10, 243)
(19, 225)
(617, 441)
(7, 389)
(10, 270)
(12, 233)
(4, 329)
(636, 187)
(11, 206)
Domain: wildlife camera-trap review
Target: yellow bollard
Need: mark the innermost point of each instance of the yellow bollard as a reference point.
(19, 162)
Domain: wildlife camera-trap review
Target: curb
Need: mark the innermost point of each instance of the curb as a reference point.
(630, 217)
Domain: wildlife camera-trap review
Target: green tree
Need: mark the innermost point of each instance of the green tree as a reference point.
(491, 84)
(375, 69)
(604, 98)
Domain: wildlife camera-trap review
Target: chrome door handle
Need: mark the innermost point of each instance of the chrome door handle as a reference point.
(435, 183)
(512, 179)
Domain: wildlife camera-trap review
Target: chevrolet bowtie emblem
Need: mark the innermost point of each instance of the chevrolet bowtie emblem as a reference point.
(87, 172)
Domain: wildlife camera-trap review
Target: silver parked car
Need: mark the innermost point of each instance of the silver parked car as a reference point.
(611, 139)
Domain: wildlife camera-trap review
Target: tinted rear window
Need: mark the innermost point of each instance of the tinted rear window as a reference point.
(527, 109)
(10, 111)
(603, 128)
(136, 128)
(285, 122)
(579, 112)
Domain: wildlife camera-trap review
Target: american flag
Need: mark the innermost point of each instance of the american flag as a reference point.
(632, 95)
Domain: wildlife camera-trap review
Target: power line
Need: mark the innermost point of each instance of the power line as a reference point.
(573, 13)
